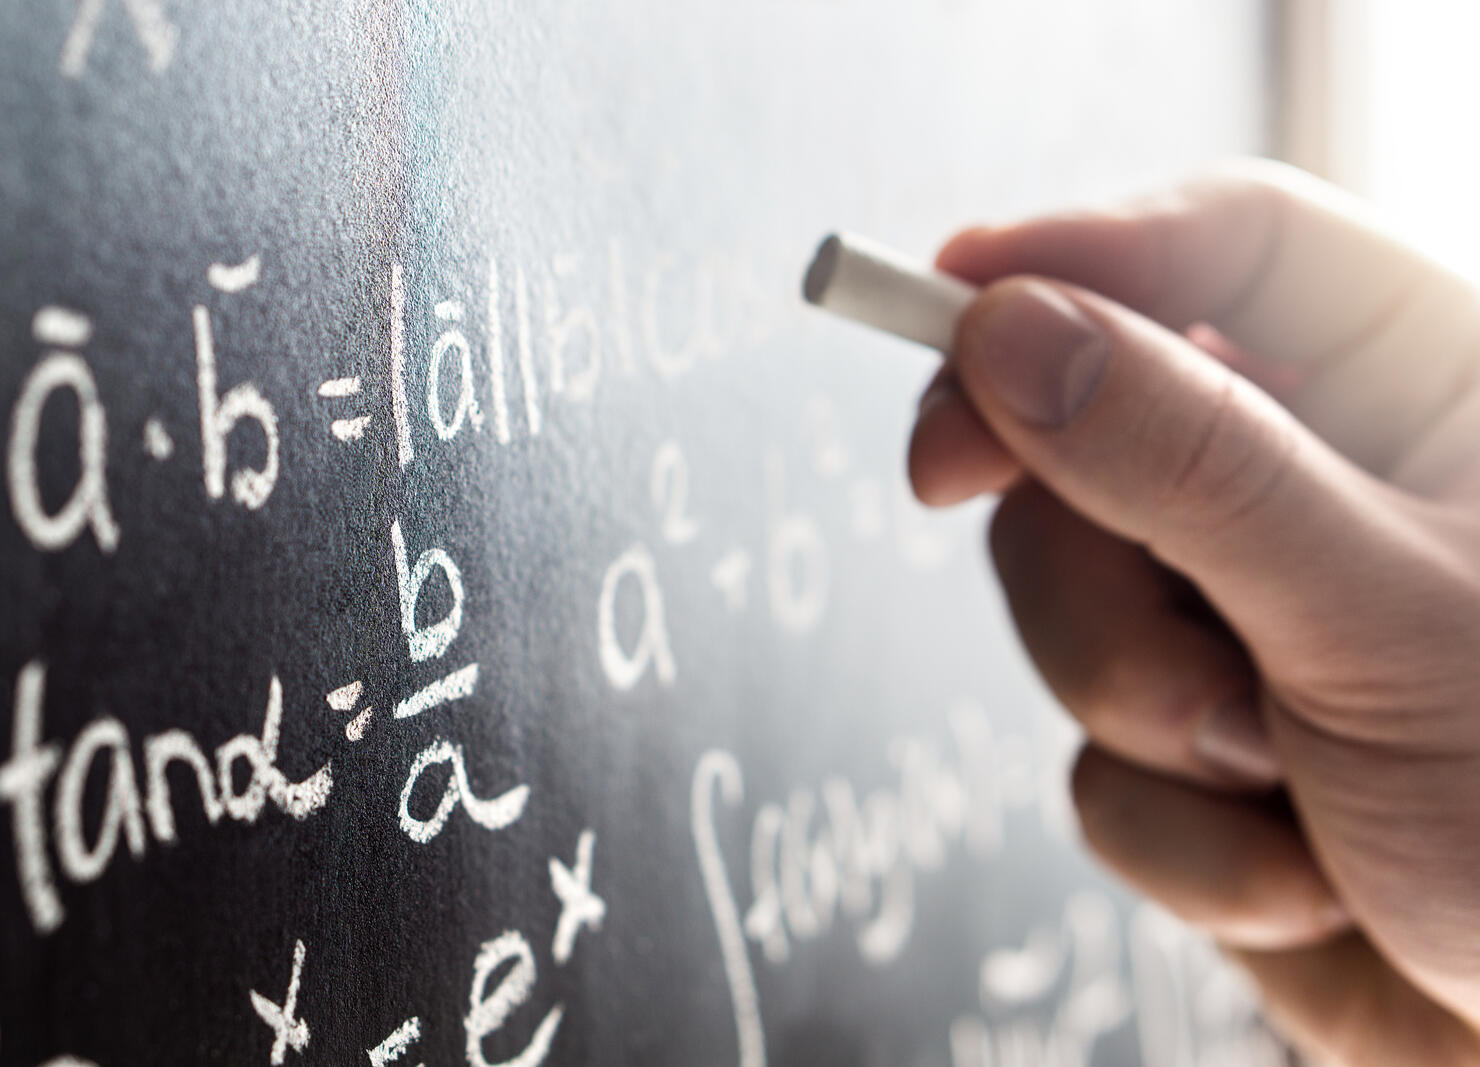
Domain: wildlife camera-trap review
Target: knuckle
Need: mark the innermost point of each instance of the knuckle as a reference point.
(1107, 798)
(1273, 905)
(1098, 717)
(1098, 694)
(1262, 188)
(1232, 465)
(1246, 903)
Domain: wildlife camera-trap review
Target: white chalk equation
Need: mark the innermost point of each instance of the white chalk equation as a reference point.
(64, 368)
(1088, 974)
(492, 371)
(139, 813)
(43, 775)
(827, 855)
(489, 1009)
(431, 641)
(791, 563)
(136, 806)
(536, 349)
(834, 855)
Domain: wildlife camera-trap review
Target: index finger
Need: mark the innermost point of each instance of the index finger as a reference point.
(1280, 262)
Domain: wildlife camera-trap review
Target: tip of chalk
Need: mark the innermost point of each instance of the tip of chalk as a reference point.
(820, 273)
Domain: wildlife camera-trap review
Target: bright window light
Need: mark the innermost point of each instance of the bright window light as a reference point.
(1420, 145)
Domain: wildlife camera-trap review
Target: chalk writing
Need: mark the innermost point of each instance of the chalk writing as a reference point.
(157, 441)
(152, 26)
(288, 1031)
(1193, 1008)
(219, 413)
(399, 406)
(344, 699)
(487, 1012)
(353, 428)
(25, 775)
(563, 326)
(1053, 998)
(455, 686)
(719, 770)
(731, 575)
(797, 566)
(623, 668)
(429, 641)
(826, 853)
(87, 506)
(492, 814)
(397, 1044)
(465, 407)
(578, 905)
(670, 492)
(837, 860)
(233, 278)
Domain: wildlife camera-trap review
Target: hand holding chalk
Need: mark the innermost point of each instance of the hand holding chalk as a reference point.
(1154, 476)
(864, 281)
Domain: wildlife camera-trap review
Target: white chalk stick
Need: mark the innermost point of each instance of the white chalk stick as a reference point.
(864, 281)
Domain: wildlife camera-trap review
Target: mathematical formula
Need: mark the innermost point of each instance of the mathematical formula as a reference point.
(823, 855)
(42, 780)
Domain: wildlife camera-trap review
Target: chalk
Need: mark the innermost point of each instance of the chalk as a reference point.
(868, 283)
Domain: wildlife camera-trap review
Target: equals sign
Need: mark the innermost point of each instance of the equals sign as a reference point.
(345, 429)
(344, 699)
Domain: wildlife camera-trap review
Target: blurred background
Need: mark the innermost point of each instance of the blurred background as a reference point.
(1375, 96)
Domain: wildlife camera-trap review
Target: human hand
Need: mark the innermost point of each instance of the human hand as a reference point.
(1240, 587)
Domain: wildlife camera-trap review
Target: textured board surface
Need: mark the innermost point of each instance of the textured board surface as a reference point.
(457, 605)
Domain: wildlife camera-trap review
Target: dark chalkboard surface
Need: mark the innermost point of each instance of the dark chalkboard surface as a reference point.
(458, 606)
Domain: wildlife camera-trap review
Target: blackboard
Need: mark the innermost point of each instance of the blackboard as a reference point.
(458, 606)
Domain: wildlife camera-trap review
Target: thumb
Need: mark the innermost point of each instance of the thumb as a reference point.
(1146, 435)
